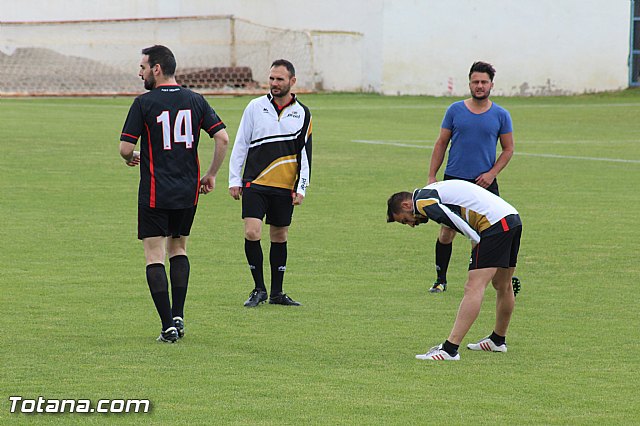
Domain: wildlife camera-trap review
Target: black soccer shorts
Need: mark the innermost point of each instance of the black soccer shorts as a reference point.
(155, 222)
(276, 206)
(497, 250)
(493, 188)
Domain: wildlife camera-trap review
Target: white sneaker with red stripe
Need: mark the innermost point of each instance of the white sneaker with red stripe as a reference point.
(487, 345)
(436, 353)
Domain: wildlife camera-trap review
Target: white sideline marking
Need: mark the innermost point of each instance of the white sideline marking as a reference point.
(570, 157)
(46, 102)
(507, 105)
(575, 157)
(394, 143)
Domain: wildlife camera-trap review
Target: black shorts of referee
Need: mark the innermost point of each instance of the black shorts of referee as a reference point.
(275, 203)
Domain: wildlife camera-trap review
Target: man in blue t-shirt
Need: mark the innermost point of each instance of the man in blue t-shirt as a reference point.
(473, 126)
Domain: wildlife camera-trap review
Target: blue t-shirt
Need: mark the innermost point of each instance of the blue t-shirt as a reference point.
(474, 138)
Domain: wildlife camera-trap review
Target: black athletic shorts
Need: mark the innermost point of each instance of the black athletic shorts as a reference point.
(492, 188)
(497, 250)
(276, 205)
(155, 222)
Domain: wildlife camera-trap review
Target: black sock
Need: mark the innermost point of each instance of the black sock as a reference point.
(450, 348)
(278, 261)
(179, 274)
(253, 251)
(159, 287)
(497, 339)
(443, 255)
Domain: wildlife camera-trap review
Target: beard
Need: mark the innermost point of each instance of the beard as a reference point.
(150, 83)
(283, 91)
(481, 98)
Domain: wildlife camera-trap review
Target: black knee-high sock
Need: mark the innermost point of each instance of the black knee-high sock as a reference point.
(159, 287)
(443, 255)
(278, 261)
(253, 251)
(179, 274)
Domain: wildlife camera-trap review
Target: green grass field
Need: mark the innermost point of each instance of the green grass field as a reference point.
(78, 321)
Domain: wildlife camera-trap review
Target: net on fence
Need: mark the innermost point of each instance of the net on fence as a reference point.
(215, 54)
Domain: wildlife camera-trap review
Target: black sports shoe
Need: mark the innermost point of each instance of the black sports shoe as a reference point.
(283, 299)
(515, 282)
(178, 323)
(256, 297)
(170, 335)
(438, 287)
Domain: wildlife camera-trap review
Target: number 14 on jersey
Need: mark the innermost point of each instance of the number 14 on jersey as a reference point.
(182, 128)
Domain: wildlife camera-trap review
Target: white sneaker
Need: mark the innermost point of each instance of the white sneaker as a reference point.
(437, 354)
(487, 345)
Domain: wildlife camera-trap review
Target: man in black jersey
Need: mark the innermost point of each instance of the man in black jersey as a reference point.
(168, 120)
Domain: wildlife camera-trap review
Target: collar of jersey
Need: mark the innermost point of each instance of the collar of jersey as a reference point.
(279, 110)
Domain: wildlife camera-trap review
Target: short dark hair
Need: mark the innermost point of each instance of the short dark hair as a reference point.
(284, 63)
(394, 204)
(161, 55)
(483, 67)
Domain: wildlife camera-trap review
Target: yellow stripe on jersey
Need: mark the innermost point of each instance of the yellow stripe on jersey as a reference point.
(281, 173)
(478, 221)
(422, 204)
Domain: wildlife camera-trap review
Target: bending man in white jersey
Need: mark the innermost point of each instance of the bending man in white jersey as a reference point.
(494, 228)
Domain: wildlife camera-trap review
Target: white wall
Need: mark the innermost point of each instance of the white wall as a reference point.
(575, 45)
(418, 46)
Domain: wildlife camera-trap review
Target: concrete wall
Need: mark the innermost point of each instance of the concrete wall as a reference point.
(417, 46)
(537, 47)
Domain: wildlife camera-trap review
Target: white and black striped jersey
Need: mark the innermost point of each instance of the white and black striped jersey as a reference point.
(465, 207)
(274, 145)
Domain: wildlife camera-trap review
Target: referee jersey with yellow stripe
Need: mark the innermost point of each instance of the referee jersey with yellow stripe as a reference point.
(274, 145)
(465, 207)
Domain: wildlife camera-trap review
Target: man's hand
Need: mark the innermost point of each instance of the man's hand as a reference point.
(207, 184)
(135, 159)
(485, 179)
(235, 192)
(297, 199)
